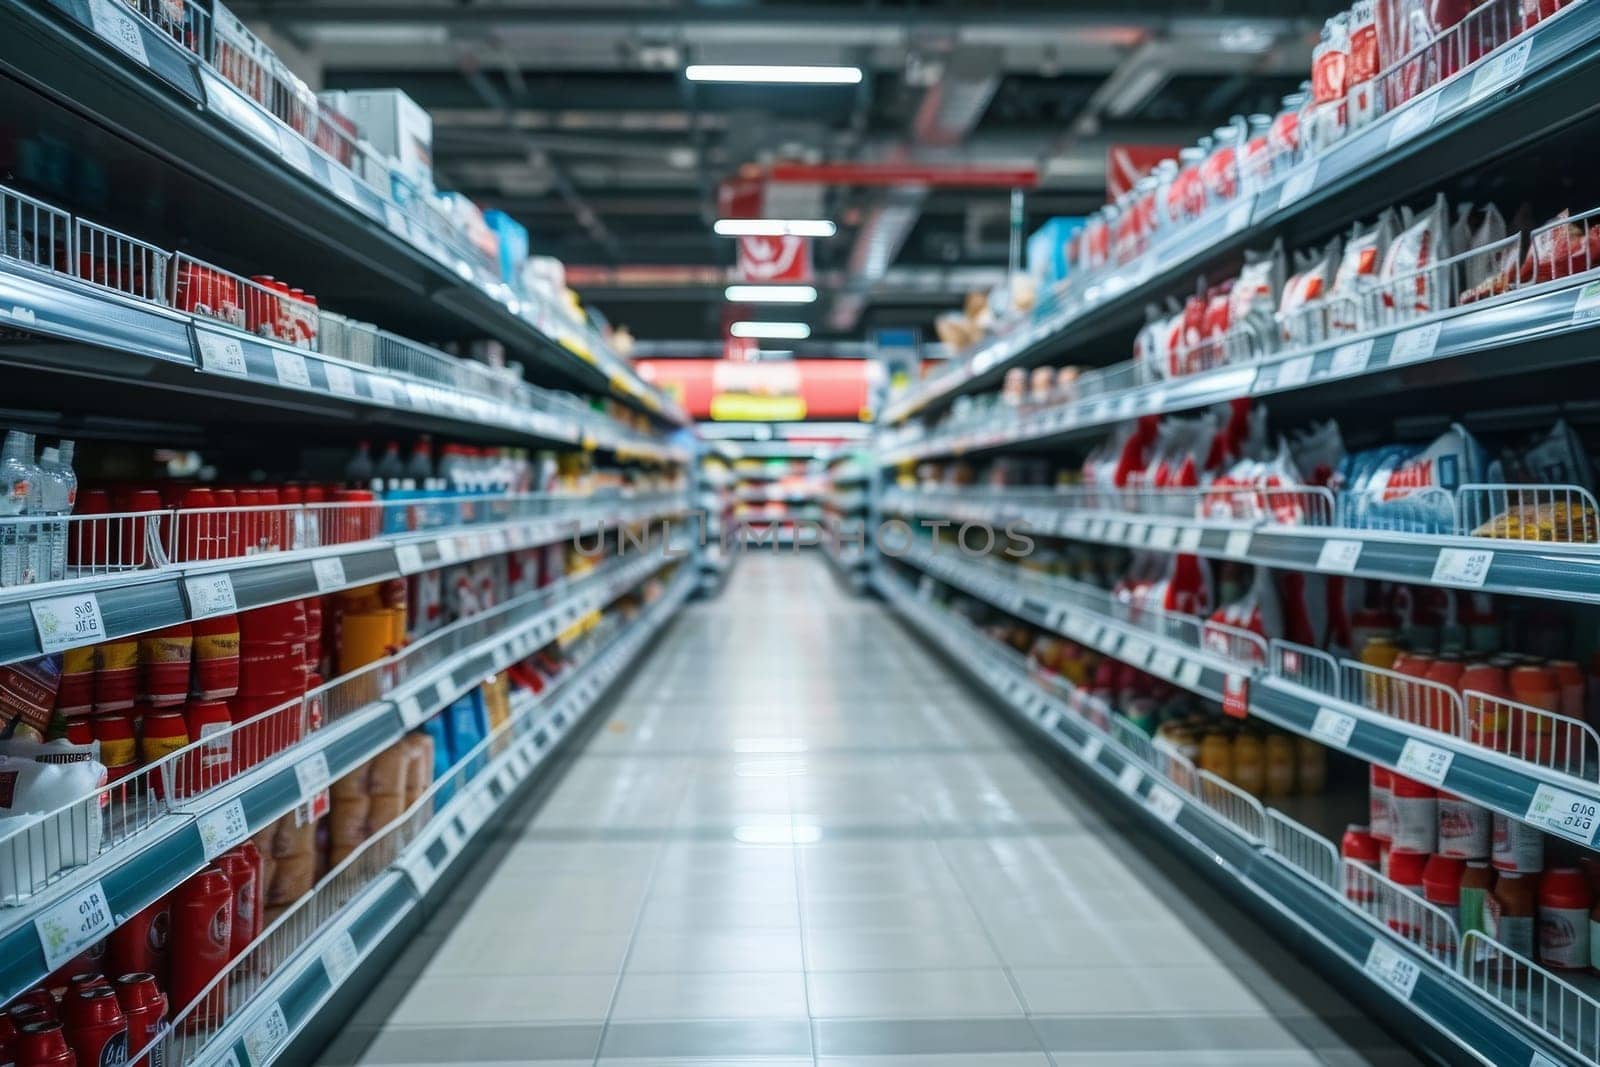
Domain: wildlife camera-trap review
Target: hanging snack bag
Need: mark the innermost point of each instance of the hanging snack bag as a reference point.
(1252, 305)
(1302, 314)
(1352, 307)
(1409, 288)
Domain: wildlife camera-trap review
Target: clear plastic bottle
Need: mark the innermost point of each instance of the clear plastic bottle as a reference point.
(16, 477)
(60, 488)
(36, 554)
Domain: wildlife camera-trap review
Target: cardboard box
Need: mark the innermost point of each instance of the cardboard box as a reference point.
(393, 124)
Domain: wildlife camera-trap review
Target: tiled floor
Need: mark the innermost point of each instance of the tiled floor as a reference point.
(798, 839)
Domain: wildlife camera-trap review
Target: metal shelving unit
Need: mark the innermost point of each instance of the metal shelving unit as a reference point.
(1476, 998)
(1527, 87)
(155, 844)
(278, 986)
(156, 93)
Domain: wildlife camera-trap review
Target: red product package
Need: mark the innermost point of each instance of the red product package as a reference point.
(1220, 171)
(1561, 248)
(1408, 287)
(1361, 91)
(1330, 72)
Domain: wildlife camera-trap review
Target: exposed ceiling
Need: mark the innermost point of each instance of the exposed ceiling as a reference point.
(576, 118)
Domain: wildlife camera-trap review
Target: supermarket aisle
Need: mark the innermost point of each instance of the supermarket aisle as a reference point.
(797, 839)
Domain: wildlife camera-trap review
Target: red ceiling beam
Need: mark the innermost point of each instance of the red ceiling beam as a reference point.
(947, 176)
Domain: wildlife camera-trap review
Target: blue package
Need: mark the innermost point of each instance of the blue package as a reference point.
(1409, 489)
(513, 240)
(442, 758)
(465, 721)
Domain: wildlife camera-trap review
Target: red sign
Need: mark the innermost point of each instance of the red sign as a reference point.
(775, 260)
(770, 391)
(1127, 163)
(1236, 695)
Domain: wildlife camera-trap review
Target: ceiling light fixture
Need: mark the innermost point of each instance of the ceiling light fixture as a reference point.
(772, 74)
(771, 294)
(774, 228)
(777, 331)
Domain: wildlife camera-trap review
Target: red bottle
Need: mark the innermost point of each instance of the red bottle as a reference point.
(1361, 847)
(145, 1007)
(44, 1044)
(1564, 903)
(96, 1028)
(202, 933)
(212, 763)
(244, 875)
(140, 944)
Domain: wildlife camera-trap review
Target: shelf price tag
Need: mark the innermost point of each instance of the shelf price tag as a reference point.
(113, 24)
(329, 573)
(1189, 674)
(1189, 539)
(1164, 663)
(1239, 216)
(66, 928)
(294, 151)
(264, 1037)
(1416, 343)
(1351, 358)
(340, 958)
(1462, 566)
(411, 712)
(1500, 71)
(1128, 781)
(1138, 532)
(446, 547)
(408, 558)
(221, 354)
(291, 368)
(1091, 748)
(313, 775)
(68, 621)
(220, 830)
(1293, 372)
(1297, 185)
(1164, 536)
(1333, 727)
(1393, 969)
(341, 380)
(210, 594)
(1164, 803)
(1424, 762)
(1413, 119)
(1135, 650)
(1568, 814)
(1587, 306)
(1339, 556)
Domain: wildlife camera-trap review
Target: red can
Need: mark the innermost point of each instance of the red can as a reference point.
(1361, 847)
(116, 674)
(211, 764)
(161, 732)
(140, 945)
(96, 1028)
(1564, 903)
(164, 657)
(216, 657)
(44, 1044)
(80, 732)
(202, 935)
(244, 875)
(37, 997)
(145, 1007)
(1416, 816)
(1405, 869)
(118, 751)
(1381, 803)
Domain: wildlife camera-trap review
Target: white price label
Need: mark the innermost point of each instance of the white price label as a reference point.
(80, 920)
(341, 381)
(21, 314)
(1500, 70)
(1415, 117)
(68, 621)
(264, 1037)
(411, 712)
(383, 390)
(1095, 529)
(1238, 543)
(1189, 675)
(113, 24)
(1560, 812)
(1390, 967)
(1587, 305)
(394, 219)
(220, 354)
(1463, 566)
(313, 775)
(291, 368)
(1239, 215)
(1091, 748)
(1116, 532)
(1128, 781)
(1138, 533)
(1339, 556)
(1135, 650)
(1415, 343)
(220, 830)
(340, 958)
(1163, 537)
(1164, 803)
(295, 151)
(210, 594)
(329, 573)
(1297, 185)
(339, 181)
(408, 558)
(1351, 358)
(446, 547)
(1164, 663)
(1293, 372)
(1424, 762)
(1189, 539)
(1333, 727)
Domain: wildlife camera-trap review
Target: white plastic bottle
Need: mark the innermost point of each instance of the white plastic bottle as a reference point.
(16, 474)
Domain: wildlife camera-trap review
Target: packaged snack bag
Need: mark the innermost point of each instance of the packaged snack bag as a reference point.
(1352, 304)
(1330, 71)
(1362, 104)
(1408, 287)
(1302, 315)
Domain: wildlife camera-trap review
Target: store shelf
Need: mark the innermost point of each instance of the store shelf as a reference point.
(1281, 690)
(162, 842)
(239, 162)
(1516, 94)
(131, 601)
(1500, 565)
(322, 959)
(1290, 875)
(137, 343)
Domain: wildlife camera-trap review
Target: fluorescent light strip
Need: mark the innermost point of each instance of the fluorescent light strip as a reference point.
(774, 228)
(780, 331)
(780, 74)
(771, 294)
